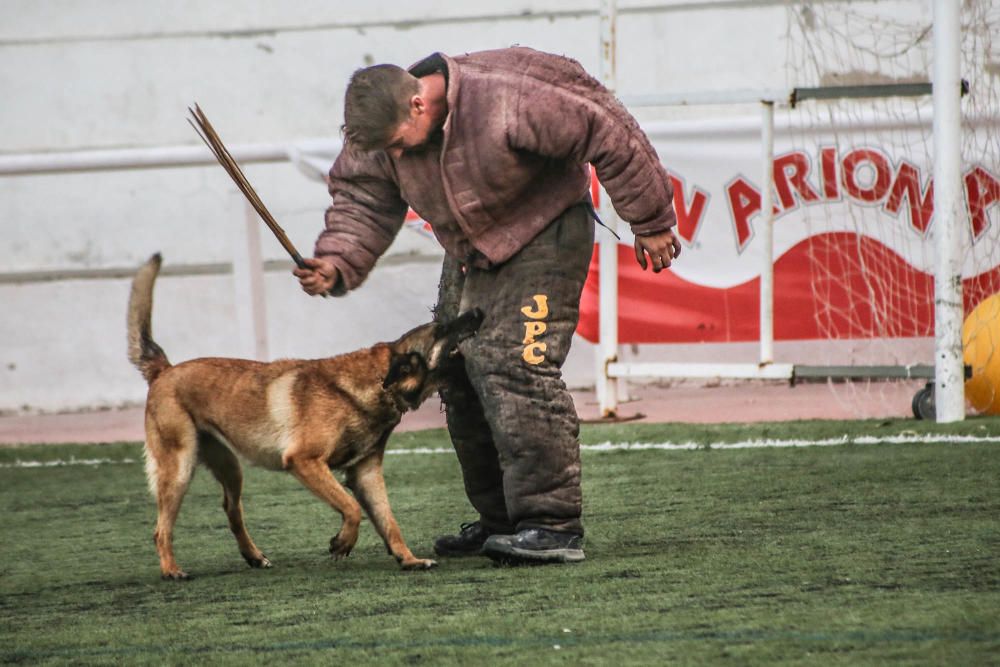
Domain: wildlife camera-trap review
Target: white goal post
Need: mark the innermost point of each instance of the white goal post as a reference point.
(949, 368)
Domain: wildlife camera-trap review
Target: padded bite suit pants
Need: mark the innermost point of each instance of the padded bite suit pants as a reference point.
(511, 419)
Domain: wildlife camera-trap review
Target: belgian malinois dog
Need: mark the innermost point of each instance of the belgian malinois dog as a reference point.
(303, 416)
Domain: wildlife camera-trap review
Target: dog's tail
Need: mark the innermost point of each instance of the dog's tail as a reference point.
(143, 351)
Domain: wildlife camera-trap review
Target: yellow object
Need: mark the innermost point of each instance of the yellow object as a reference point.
(981, 351)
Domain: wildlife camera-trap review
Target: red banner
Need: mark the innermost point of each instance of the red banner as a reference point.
(853, 249)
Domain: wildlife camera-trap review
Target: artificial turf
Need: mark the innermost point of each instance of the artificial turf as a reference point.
(848, 554)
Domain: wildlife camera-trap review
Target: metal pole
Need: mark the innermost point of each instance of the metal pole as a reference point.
(154, 157)
(607, 387)
(949, 214)
(767, 233)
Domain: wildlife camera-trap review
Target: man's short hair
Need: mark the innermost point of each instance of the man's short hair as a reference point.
(377, 101)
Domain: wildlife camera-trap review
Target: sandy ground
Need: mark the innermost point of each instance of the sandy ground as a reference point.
(743, 402)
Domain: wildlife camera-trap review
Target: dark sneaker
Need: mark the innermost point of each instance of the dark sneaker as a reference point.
(468, 542)
(535, 545)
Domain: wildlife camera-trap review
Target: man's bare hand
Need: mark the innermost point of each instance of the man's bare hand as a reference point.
(662, 249)
(318, 277)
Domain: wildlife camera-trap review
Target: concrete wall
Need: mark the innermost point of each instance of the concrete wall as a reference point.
(115, 73)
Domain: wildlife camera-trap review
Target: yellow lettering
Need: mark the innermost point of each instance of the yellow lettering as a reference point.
(534, 353)
(532, 329)
(541, 307)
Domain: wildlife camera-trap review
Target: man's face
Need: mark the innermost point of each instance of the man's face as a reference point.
(412, 132)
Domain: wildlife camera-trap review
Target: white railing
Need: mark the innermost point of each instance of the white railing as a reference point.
(155, 157)
(248, 265)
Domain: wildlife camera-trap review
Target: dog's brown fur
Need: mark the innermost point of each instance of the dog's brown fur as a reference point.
(303, 416)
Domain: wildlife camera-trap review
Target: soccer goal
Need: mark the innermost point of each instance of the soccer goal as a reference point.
(853, 244)
(872, 271)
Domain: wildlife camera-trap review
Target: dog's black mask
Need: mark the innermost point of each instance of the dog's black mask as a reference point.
(405, 367)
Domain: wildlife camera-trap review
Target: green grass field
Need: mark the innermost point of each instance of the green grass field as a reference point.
(859, 553)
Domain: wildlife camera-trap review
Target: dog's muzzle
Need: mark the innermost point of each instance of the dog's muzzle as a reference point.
(450, 334)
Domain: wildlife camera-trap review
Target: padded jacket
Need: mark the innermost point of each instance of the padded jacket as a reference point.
(512, 155)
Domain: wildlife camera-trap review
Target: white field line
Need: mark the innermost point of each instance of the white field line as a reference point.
(623, 446)
(829, 442)
(751, 444)
(72, 461)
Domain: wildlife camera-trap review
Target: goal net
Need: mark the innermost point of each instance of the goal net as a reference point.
(869, 154)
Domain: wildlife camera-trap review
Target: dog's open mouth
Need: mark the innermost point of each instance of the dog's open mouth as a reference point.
(450, 334)
(464, 326)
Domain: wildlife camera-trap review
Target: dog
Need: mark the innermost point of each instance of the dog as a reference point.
(303, 416)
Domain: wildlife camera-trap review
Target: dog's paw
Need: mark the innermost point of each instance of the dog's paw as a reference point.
(339, 547)
(257, 562)
(418, 564)
(176, 575)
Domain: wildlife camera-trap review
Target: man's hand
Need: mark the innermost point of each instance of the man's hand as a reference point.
(662, 248)
(318, 278)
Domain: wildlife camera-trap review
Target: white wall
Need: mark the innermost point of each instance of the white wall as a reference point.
(116, 73)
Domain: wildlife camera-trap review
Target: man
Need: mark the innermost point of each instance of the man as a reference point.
(492, 149)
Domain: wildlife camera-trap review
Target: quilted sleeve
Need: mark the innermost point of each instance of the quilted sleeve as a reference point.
(365, 216)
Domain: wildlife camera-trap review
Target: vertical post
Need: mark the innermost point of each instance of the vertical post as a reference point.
(949, 214)
(248, 287)
(607, 387)
(767, 233)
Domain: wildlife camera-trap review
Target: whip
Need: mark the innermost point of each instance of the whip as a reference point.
(199, 121)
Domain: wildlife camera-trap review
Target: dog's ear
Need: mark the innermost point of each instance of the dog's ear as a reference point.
(402, 366)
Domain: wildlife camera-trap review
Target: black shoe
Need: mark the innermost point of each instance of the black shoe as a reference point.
(469, 542)
(535, 545)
